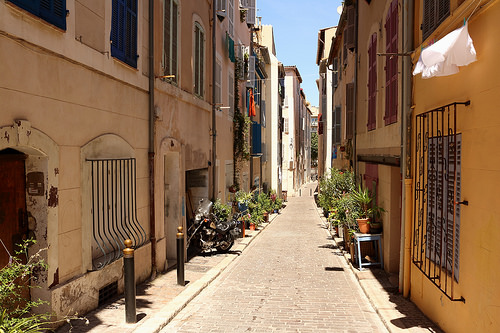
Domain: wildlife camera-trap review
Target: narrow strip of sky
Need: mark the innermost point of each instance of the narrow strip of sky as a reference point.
(296, 24)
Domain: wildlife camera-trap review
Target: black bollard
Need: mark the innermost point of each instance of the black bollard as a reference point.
(129, 277)
(180, 257)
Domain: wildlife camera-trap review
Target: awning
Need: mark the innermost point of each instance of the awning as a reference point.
(443, 57)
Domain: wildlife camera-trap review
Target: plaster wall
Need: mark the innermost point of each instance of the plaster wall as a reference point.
(479, 125)
(386, 139)
(63, 93)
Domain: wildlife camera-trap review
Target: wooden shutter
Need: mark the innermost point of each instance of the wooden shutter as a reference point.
(52, 11)
(251, 71)
(372, 83)
(175, 13)
(351, 34)
(337, 125)
(434, 13)
(251, 13)
(391, 65)
(335, 72)
(349, 110)
(124, 31)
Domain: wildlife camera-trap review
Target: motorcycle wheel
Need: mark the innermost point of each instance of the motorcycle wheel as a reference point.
(226, 244)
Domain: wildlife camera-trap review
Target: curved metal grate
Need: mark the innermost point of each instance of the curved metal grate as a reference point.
(114, 209)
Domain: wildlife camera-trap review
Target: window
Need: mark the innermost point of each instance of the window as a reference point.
(52, 11)
(218, 83)
(437, 197)
(349, 38)
(124, 31)
(391, 65)
(114, 209)
(199, 59)
(349, 104)
(435, 12)
(285, 125)
(221, 8)
(372, 83)
(170, 39)
(335, 72)
(230, 16)
(251, 12)
(337, 125)
(231, 94)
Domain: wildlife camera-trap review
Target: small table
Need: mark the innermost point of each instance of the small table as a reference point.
(358, 238)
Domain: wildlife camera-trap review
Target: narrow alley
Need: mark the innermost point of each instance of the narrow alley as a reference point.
(290, 279)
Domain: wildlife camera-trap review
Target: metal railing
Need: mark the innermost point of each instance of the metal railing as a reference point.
(436, 231)
(114, 209)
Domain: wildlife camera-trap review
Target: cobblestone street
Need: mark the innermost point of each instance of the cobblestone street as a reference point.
(290, 279)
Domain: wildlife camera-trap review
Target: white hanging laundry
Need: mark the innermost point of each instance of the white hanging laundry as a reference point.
(443, 57)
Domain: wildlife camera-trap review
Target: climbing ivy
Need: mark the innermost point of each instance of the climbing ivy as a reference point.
(241, 127)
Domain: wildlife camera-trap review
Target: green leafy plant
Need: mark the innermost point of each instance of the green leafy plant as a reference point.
(221, 211)
(15, 279)
(363, 200)
(265, 202)
(278, 203)
(241, 126)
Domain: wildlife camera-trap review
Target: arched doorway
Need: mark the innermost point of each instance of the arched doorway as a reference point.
(13, 216)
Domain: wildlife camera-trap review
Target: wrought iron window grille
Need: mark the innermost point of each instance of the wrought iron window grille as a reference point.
(114, 209)
(437, 199)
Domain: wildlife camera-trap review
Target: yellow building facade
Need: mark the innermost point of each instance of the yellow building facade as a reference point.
(455, 174)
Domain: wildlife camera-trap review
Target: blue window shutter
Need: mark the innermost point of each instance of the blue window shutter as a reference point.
(52, 11)
(124, 31)
(256, 139)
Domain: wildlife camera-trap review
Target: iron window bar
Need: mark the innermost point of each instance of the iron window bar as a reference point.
(436, 231)
(114, 209)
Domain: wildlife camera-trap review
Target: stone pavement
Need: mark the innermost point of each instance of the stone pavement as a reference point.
(292, 278)
(287, 280)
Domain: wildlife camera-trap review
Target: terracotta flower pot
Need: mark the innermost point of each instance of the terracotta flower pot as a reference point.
(364, 226)
(252, 226)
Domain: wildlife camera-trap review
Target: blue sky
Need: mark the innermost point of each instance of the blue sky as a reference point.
(296, 25)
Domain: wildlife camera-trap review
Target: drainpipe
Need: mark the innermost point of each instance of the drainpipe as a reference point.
(151, 151)
(406, 133)
(214, 123)
(355, 106)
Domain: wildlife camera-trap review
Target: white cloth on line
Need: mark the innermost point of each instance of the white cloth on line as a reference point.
(443, 57)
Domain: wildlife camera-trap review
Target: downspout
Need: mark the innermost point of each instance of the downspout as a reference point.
(214, 122)
(151, 151)
(406, 133)
(355, 106)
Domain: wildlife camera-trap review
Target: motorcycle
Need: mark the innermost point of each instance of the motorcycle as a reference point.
(206, 232)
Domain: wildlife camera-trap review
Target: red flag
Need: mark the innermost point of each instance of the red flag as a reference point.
(251, 107)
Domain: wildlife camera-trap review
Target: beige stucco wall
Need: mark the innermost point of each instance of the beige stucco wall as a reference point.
(69, 94)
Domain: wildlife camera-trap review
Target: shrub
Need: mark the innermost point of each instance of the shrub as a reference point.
(16, 277)
(221, 211)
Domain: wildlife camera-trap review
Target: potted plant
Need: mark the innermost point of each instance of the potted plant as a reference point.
(363, 198)
(243, 199)
(221, 211)
(376, 219)
(265, 203)
(278, 203)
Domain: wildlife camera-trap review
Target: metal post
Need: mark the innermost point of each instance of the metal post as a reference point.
(129, 277)
(180, 257)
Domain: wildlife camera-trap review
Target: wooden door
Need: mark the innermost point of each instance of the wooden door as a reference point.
(13, 221)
